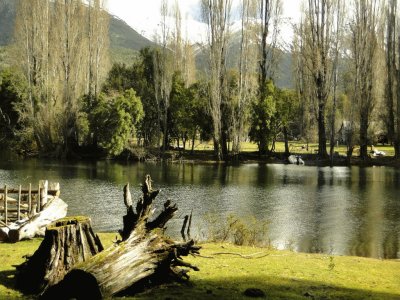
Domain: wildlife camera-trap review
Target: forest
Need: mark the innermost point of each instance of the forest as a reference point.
(60, 95)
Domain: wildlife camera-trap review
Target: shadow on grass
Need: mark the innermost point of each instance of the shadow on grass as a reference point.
(7, 279)
(234, 287)
(273, 287)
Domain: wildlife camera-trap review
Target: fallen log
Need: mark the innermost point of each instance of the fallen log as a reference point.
(36, 225)
(143, 255)
(58, 253)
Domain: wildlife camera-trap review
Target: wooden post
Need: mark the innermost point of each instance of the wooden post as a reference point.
(190, 224)
(38, 208)
(5, 205)
(19, 203)
(30, 199)
(44, 184)
(54, 187)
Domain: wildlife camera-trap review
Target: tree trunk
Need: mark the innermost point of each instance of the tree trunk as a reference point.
(285, 136)
(224, 145)
(143, 255)
(322, 153)
(58, 253)
(193, 140)
(364, 135)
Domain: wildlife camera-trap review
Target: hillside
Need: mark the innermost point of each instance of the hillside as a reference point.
(7, 16)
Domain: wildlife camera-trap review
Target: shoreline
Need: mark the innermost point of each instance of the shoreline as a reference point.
(206, 157)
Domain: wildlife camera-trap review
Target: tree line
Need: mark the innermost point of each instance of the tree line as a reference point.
(62, 96)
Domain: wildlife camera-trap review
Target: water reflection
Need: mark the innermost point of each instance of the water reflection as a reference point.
(337, 210)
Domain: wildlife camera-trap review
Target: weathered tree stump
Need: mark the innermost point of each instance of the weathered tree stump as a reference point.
(67, 241)
(142, 255)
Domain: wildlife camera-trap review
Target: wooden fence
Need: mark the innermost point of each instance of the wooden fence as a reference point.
(19, 203)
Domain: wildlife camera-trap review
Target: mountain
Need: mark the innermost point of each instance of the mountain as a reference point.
(123, 36)
(283, 77)
(125, 42)
(7, 17)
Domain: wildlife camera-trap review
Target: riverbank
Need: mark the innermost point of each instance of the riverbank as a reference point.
(226, 271)
(207, 157)
(204, 154)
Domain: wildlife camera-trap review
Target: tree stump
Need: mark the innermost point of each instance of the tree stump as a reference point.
(142, 255)
(67, 241)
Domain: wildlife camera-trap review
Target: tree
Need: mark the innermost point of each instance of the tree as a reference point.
(391, 93)
(364, 30)
(287, 115)
(247, 88)
(262, 113)
(337, 32)
(114, 118)
(62, 58)
(98, 45)
(270, 11)
(12, 91)
(163, 72)
(317, 43)
(216, 14)
(179, 113)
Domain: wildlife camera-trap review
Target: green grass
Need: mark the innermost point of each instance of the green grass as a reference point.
(294, 147)
(280, 274)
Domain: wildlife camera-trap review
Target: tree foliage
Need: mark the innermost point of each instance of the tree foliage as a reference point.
(114, 117)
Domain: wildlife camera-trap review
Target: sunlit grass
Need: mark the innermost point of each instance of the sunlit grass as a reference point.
(280, 274)
(294, 147)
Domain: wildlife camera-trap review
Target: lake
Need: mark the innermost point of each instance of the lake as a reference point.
(339, 210)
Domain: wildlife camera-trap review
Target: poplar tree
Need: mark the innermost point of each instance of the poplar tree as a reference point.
(216, 14)
(364, 31)
(62, 58)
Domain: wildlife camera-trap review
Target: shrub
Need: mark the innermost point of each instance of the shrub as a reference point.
(240, 231)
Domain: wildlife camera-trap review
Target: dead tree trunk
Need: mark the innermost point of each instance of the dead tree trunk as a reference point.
(58, 253)
(36, 225)
(143, 255)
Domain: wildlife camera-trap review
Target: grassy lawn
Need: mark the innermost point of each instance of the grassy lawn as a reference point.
(294, 147)
(280, 274)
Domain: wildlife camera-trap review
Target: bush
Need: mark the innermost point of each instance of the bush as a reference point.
(239, 231)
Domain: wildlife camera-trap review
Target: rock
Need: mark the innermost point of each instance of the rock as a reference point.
(254, 292)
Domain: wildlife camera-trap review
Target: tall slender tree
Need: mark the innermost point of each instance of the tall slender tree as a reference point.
(216, 13)
(318, 42)
(52, 49)
(269, 15)
(337, 43)
(364, 30)
(392, 91)
(246, 66)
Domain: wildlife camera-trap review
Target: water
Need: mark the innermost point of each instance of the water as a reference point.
(340, 210)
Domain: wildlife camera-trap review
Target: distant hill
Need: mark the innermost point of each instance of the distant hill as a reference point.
(123, 36)
(125, 42)
(7, 17)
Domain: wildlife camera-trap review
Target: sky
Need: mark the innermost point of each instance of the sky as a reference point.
(144, 16)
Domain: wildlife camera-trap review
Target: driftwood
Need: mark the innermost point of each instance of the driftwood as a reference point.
(58, 253)
(143, 255)
(34, 226)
